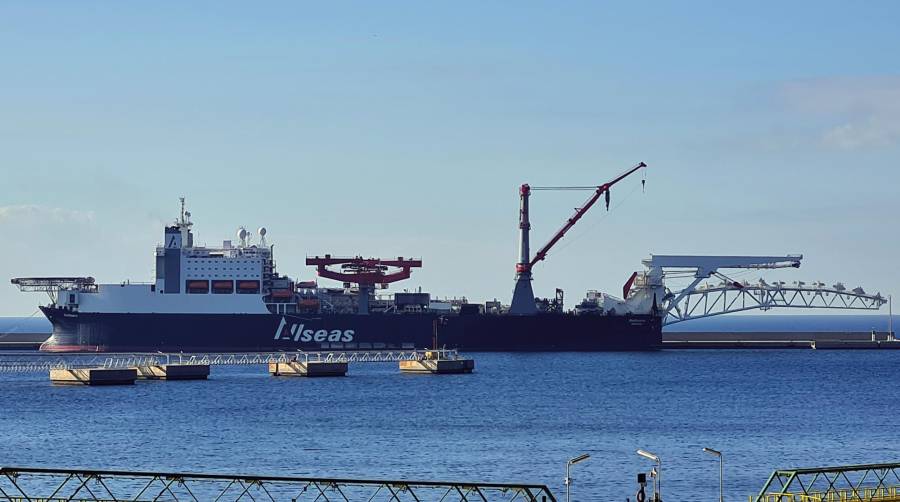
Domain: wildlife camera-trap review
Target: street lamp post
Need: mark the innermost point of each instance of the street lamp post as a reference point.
(890, 318)
(721, 472)
(570, 463)
(657, 479)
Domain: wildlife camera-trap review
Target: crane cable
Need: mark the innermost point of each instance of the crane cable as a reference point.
(643, 168)
(600, 220)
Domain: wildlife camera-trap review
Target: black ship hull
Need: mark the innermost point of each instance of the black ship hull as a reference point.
(107, 332)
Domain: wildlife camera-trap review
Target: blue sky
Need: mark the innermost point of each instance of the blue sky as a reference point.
(405, 129)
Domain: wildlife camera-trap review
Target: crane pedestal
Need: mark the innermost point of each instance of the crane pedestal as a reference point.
(523, 296)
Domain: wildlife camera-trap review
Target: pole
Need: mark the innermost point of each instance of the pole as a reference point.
(524, 225)
(891, 317)
(569, 463)
(523, 294)
(657, 487)
(656, 473)
(721, 457)
(721, 479)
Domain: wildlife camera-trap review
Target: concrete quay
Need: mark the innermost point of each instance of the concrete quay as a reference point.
(780, 340)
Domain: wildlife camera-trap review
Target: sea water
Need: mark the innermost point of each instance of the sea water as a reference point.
(516, 419)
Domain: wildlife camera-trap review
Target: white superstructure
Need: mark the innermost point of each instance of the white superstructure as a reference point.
(190, 279)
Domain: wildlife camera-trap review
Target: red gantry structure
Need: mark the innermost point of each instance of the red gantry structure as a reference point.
(365, 272)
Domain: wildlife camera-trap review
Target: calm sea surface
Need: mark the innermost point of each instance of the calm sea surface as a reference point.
(518, 418)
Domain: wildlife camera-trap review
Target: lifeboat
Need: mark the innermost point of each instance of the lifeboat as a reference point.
(282, 293)
(248, 286)
(223, 286)
(198, 286)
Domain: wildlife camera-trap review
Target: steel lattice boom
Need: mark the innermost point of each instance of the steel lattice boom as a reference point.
(52, 284)
(647, 291)
(736, 297)
(30, 484)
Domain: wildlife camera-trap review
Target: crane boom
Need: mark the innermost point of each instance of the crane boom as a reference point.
(579, 212)
(523, 295)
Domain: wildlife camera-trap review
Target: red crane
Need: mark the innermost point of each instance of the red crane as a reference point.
(523, 296)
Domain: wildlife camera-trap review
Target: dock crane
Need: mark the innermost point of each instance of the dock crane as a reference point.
(523, 295)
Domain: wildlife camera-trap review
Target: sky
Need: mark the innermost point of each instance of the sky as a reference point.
(404, 129)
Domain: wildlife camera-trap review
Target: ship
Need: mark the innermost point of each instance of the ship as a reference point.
(231, 298)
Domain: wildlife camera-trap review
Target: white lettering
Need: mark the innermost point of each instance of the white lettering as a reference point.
(300, 334)
(281, 326)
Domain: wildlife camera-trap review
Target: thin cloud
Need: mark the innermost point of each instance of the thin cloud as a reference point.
(860, 112)
(33, 213)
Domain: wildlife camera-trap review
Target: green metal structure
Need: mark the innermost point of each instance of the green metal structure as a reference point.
(22, 484)
(852, 483)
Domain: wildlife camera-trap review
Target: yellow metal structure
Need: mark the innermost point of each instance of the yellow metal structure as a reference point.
(883, 494)
(854, 483)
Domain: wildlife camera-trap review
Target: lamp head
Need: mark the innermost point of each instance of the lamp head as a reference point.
(579, 458)
(713, 452)
(648, 455)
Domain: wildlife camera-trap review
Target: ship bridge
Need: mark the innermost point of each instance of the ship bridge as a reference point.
(711, 292)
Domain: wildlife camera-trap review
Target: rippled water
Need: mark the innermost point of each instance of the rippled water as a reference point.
(518, 418)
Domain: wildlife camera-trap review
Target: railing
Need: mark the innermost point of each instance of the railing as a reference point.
(882, 494)
(30, 484)
(854, 483)
(36, 362)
